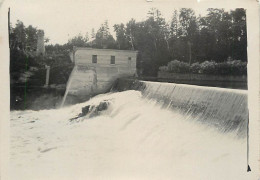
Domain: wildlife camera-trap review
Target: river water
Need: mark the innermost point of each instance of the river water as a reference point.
(135, 138)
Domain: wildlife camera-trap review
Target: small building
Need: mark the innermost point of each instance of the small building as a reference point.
(96, 70)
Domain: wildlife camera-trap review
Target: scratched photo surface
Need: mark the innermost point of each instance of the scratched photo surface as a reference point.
(128, 90)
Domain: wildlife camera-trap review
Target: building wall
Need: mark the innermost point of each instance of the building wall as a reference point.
(90, 78)
(84, 57)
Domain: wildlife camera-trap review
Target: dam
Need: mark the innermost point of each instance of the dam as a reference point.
(132, 129)
(224, 109)
(148, 130)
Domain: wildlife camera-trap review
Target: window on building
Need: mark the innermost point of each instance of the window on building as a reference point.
(129, 61)
(113, 60)
(94, 58)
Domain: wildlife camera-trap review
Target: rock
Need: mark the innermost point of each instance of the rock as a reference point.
(85, 111)
(92, 110)
(103, 106)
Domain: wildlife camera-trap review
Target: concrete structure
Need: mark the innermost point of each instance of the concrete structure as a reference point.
(224, 109)
(40, 43)
(97, 69)
(47, 75)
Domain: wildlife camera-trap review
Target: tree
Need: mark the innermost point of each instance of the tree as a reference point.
(188, 22)
(23, 38)
(121, 36)
(218, 23)
(103, 37)
(131, 32)
(46, 40)
(93, 36)
(19, 36)
(239, 34)
(31, 38)
(78, 41)
(174, 25)
(151, 38)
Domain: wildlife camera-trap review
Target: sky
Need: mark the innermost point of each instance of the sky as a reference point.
(63, 19)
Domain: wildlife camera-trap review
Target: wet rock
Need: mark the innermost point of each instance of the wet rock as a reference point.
(85, 110)
(92, 110)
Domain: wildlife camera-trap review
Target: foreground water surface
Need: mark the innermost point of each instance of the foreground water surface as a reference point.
(135, 138)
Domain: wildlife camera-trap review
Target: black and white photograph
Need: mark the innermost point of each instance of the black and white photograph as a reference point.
(131, 90)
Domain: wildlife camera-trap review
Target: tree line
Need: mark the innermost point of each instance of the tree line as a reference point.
(219, 35)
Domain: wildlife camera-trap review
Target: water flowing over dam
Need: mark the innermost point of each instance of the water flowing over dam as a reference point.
(225, 109)
(146, 130)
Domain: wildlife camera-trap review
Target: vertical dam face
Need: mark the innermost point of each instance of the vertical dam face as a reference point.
(224, 109)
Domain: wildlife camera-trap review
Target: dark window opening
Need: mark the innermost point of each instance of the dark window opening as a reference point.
(113, 60)
(94, 58)
(129, 61)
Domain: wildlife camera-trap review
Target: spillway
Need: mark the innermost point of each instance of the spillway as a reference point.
(225, 109)
(148, 131)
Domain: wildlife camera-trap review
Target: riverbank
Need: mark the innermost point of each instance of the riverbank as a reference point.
(231, 82)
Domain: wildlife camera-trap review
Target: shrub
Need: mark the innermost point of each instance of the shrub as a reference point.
(163, 68)
(235, 67)
(176, 66)
(195, 68)
(208, 67)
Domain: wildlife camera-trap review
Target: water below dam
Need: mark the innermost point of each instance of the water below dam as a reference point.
(139, 130)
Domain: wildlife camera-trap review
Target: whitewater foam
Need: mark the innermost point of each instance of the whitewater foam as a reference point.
(135, 138)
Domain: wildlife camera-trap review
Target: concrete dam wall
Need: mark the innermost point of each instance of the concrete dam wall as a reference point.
(224, 109)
